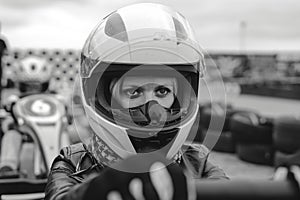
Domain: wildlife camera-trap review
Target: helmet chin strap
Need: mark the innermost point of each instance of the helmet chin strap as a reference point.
(102, 152)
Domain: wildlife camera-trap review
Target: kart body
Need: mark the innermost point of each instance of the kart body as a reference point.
(42, 118)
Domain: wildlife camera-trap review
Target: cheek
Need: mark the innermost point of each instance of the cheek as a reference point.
(166, 101)
(126, 102)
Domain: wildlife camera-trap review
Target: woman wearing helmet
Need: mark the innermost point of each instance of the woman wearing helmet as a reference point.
(32, 77)
(139, 78)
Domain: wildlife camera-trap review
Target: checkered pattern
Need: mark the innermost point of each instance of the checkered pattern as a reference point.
(65, 63)
(102, 152)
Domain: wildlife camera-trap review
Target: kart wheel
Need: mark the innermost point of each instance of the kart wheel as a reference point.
(250, 128)
(255, 153)
(287, 134)
(27, 157)
(284, 159)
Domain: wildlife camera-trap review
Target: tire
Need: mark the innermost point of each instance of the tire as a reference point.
(217, 112)
(196, 133)
(284, 159)
(256, 153)
(250, 128)
(287, 134)
(27, 157)
(205, 116)
(225, 143)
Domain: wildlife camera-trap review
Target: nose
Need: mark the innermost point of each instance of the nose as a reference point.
(149, 96)
(156, 113)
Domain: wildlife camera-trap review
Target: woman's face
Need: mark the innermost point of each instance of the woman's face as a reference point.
(133, 91)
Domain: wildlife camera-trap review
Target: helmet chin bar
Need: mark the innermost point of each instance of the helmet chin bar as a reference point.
(128, 141)
(162, 140)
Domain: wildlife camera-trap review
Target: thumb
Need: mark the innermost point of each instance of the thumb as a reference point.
(162, 181)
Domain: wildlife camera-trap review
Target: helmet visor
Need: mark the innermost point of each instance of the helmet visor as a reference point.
(160, 67)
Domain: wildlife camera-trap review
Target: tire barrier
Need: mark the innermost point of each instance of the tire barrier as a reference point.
(253, 136)
(218, 112)
(256, 153)
(65, 63)
(284, 159)
(250, 128)
(287, 134)
(196, 133)
(225, 143)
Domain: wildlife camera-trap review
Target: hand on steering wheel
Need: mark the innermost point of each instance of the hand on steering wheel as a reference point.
(160, 179)
(162, 182)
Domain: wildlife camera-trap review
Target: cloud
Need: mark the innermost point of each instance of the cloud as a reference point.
(66, 23)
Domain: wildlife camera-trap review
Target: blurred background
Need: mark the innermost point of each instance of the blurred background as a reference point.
(269, 25)
(254, 45)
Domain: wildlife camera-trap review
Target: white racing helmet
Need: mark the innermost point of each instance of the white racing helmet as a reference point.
(141, 40)
(33, 74)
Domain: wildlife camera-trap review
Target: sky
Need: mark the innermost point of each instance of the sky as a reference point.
(220, 25)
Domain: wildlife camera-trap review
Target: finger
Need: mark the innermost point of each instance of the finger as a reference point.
(162, 181)
(296, 171)
(136, 189)
(280, 174)
(191, 186)
(114, 195)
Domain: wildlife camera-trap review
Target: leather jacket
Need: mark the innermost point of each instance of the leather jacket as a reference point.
(74, 169)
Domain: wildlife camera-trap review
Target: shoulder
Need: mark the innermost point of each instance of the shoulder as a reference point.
(195, 150)
(194, 157)
(73, 150)
(71, 155)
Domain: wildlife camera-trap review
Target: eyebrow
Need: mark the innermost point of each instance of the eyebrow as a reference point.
(166, 85)
(130, 86)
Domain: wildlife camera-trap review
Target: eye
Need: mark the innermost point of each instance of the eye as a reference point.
(133, 93)
(162, 91)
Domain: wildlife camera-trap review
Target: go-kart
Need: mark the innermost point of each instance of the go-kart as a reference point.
(42, 119)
